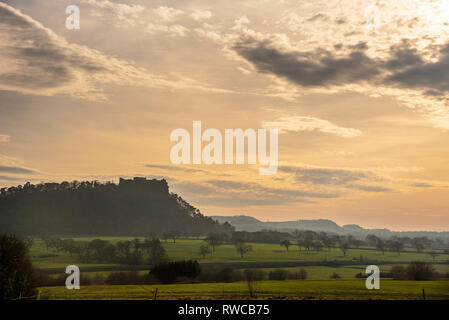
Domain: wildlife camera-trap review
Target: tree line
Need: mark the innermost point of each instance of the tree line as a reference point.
(133, 252)
(131, 208)
(309, 241)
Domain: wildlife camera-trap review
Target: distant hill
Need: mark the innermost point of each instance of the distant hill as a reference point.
(247, 223)
(136, 207)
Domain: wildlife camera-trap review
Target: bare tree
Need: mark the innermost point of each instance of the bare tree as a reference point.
(286, 244)
(252, 277)
(243, 248)
(344, 247)
(204, 251)
(214, 240)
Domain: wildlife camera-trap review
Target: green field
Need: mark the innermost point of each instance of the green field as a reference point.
(291, 289)
(264, 256)
(188, 249)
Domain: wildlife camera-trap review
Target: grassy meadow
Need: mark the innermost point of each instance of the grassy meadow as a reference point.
(319, 266)
(290, 289)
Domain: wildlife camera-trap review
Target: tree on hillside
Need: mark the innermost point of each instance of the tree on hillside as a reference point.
(157, 252)
(372, 240)
(172, 235)
(317, 245)
(133, 208)
(397, 246)
(420, 243)
(46, 241)
(243, 248)
(204, 251)
(325, 240)
(16, 273)
(380, 246)
(419, 247)
(286, 243)
(344, 247)
(214, 240)
(308, 238)
(136, 244)
(70, 246)
(123, 250)
(297, 234)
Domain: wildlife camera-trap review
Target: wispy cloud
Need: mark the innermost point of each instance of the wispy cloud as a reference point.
(234, 193)
(18, 170)
(301, 123)
(123, 14)
(200, 15)
(167, 13)
(173, 168)
(37, 61)
(4, 138)
(174, 30)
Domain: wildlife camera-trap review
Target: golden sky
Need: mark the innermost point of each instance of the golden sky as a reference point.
(358, 89)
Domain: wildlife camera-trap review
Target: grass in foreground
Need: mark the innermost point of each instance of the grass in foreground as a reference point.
(292, 289)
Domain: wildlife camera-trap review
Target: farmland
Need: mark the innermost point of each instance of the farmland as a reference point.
(291, 289)
(268, 257)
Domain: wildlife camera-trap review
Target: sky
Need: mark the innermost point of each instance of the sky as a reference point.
(359, 91)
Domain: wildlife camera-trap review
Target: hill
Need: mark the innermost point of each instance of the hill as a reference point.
(247, 223)
(136, 207)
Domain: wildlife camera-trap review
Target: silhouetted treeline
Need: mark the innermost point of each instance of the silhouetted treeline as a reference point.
(132, 252)
(318, 241)
(417, 270)
(135, 207)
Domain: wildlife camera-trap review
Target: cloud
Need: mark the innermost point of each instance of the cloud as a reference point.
(172, 168)
(262, 191)
(402, 72)
(244, 71)
(8, 178)
(324, 176)
(344, 180)
(241, 23)
(291, 21)
(199, 15)
(412, 71)
(167, 14)
(301, 123)
(307, 68)
(228, 193)
(235, 202)
(422, 185)
(369, 188)
(125, 15)
(4, 138)
(37, 61)
(174, 30)
(17, 170)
